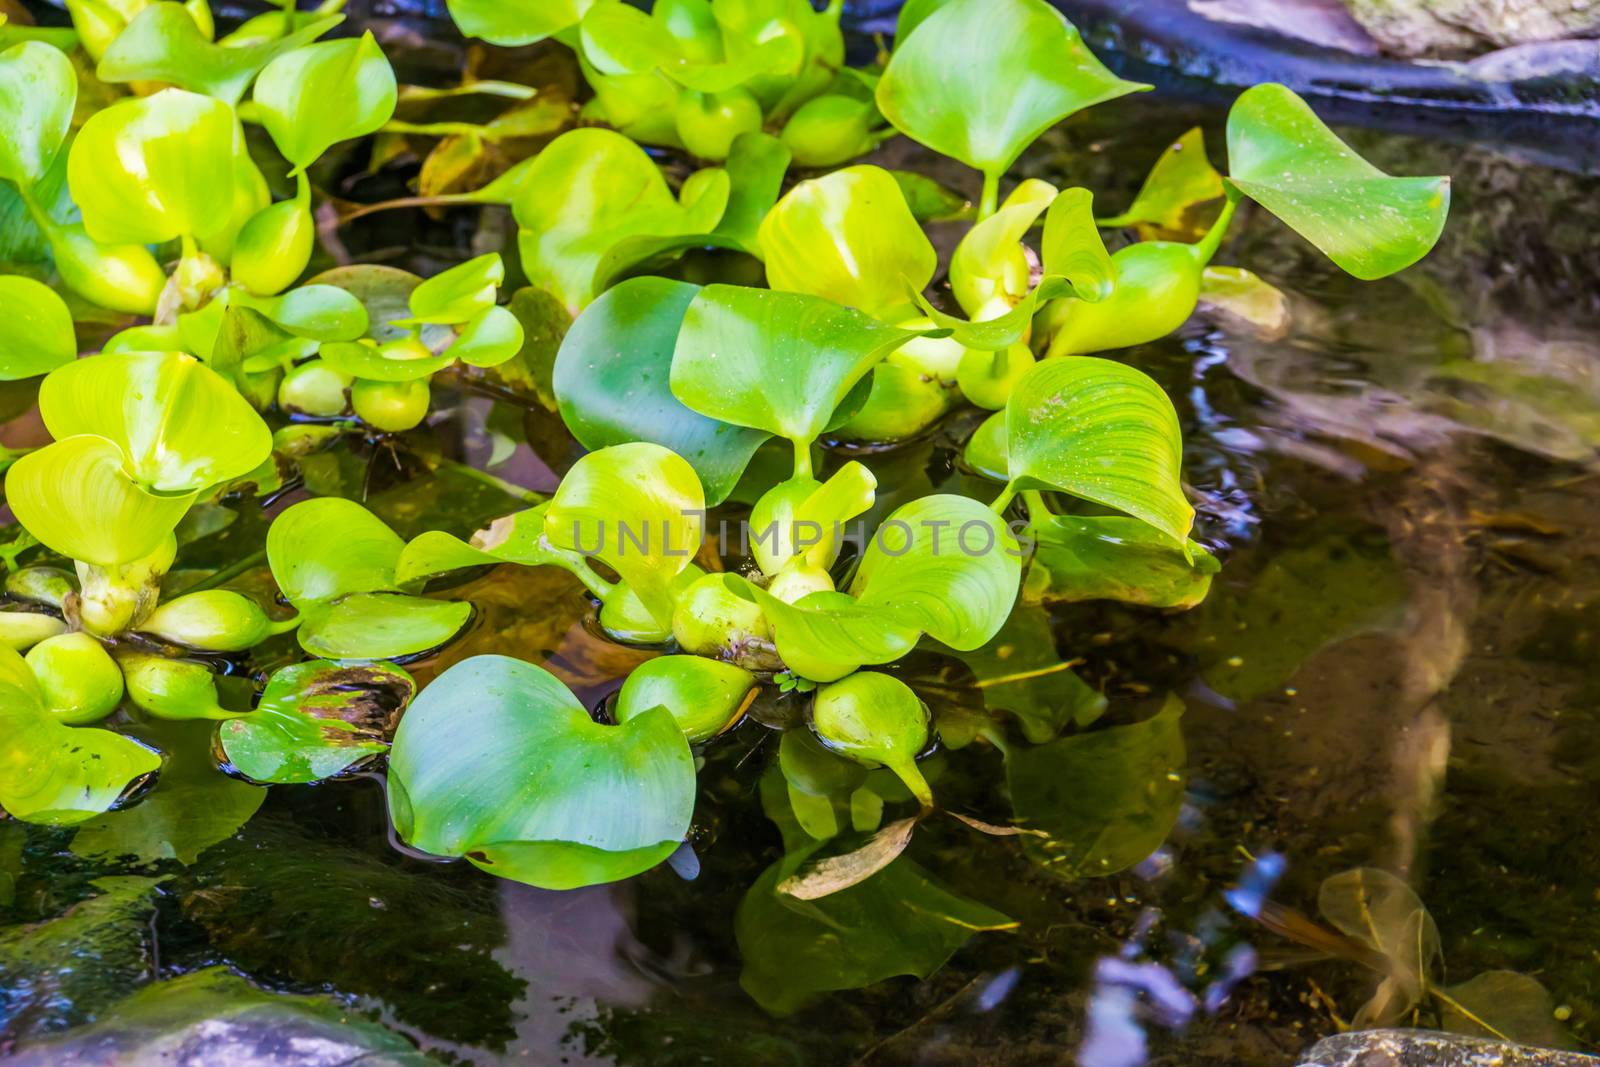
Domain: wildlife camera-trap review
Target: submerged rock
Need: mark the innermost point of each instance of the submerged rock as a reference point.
(1422, 1048)
(1463, 27)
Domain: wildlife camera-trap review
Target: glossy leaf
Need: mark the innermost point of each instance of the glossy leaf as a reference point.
(979, 80)
(75, 496)
(756, 165)
(458, 294)
(498, 762)
(945, 565)
(779, 362)
(488, 339)
(163, 44)
(149, 169)
(824, 636)
(1105, 800)
(38, 89)
(36, 334)
(639, 509)
(613, 383)
(327, 548)
(705, 696)
(375, 626)
(591, 189)
(1102, 431)
(1182, 179)
(1287, 160)
(181, 426)
(313, 97)
(875, 719)
(850, 238)
(989, 271)
(517, 538)
(50, 773)
(1072, 248)
(516, 22)
(1108, 557)
(316, 720)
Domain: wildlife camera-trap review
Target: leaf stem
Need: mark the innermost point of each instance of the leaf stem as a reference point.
(990, 200)
(802, 458)
(228, 573)
(1003, 501)
(1038, 511)
(1207, 246)
(446, 129)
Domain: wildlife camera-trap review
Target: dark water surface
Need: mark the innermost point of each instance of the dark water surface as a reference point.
(1396, 668)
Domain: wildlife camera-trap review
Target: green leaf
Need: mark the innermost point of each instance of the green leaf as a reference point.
(374, 626)
(1105, 800)
(928, 200)
(1157, 287)
(150, 169)
(320, 312)
(990, 271)
(1073, 249)
(945, 565)
(1108, 557)
(639, 509)
(1102, 431)
(589, 190)
(1020, 671)
(316, 720)
(181, 426)
(825, 635)
(517, 538)
(705, 696)
(613, 384)
(779, 362)
(75, 496)
(512, 23)
(1182, 179)
(488, 339)
(36, 334)
(458, 294)
(1287, 160)
(875, 719)
(397, 361)
(498, 762)
(850, 238)
(316, 96)
(192, 807)
(38, 89)
(163, 44)
(979, 80)
(50, 773)
(326, 548)
(384, 293)
(756, 165)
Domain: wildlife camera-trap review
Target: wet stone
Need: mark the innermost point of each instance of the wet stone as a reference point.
(1420, 1048)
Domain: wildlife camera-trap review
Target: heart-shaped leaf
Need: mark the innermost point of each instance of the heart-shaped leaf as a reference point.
(75, 496)
(1287, 160)
(639, 509)
(181, 426)
(850, 238)
(488, 339)
(149, 169)
(498, 762)
(374, 626)
(1102, 431)
(512, 23)
(313, 97)
(1182, 179)
(945, 565)
(778, 362)
(38, 90)
(1109, 557)
(613, 383)
(50, 773)
(36, 334)
(163, 44)
(979, 80)
(589, 190)
(316, 720)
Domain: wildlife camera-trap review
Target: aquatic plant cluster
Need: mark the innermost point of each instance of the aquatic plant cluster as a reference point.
(134, 199)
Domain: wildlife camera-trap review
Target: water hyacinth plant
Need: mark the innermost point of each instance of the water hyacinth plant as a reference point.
(731, 328)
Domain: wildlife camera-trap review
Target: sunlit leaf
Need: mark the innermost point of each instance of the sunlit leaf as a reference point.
(1182, 179)
(75, 496)
(488, 339)
(517, 538)
(458, 294)
(498, 762)
(589, 190)
(639, 509)
(779, 362)
(1102, 431)
(613, 382)
(313, 97)
(148, 169)
(38, 89)
(1105, 799)
(989, 270)
(516, 22)
(705, 696)
(1287, 160)
(374, 626)
(316, 720)
(980, 80)
(36, 334)
(824, 636)
(876, 720)
(850, 238)
(182, 426)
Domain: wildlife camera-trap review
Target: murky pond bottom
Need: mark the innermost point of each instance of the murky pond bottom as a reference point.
(1395, 669)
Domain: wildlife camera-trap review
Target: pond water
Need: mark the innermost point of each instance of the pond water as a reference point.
(1395, 669)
